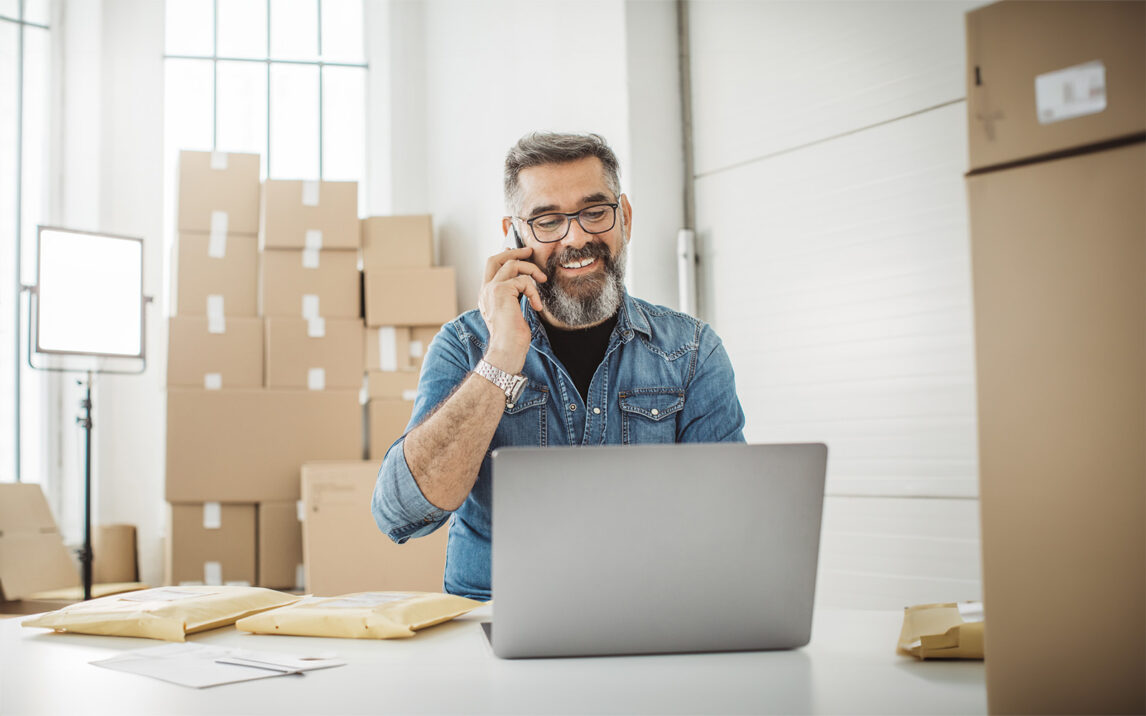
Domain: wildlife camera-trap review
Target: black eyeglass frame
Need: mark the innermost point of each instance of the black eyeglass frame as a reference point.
(569, 218)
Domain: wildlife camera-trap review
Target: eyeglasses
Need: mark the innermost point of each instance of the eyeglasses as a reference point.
(595, 219)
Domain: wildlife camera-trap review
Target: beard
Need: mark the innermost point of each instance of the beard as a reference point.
(582, 301)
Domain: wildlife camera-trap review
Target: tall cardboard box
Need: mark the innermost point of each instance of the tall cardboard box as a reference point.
(280, 545)
(219, 193)
(216, 276)
(411, 297)
(33, 557)
(387, 419)
(305, 284)
(316, 215)
(224, 352)
(115, 558)
(211, 543)
(324, 354)
(1059, 267)
(343, 549)
(397, 242)
(248, 445)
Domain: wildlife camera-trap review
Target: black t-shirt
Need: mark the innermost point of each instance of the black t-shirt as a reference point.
(581, 350)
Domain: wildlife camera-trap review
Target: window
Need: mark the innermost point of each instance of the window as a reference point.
(25, 57)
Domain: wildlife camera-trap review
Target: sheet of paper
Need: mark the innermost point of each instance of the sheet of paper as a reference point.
(200, 666)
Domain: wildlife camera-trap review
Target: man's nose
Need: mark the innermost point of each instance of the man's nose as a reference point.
(576, 237)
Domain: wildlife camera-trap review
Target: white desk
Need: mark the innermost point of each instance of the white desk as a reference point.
(849, 668)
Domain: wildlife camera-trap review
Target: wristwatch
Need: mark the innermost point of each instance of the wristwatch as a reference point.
(512, 385)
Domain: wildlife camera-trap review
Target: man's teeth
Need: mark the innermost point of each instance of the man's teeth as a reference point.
(578, 264)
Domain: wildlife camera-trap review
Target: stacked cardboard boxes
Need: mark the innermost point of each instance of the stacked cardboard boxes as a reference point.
(1056, 103)
(258, 379)
(407, 299)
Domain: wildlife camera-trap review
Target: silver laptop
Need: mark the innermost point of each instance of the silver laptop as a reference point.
(655, 548)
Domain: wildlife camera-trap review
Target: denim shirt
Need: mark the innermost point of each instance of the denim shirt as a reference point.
(665, 378)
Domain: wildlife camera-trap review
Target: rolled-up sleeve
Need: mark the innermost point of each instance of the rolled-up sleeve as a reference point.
(399, 507)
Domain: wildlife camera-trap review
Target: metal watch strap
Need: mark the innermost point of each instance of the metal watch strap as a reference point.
(510, 384)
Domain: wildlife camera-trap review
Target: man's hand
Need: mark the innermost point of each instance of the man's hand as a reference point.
(508, 275)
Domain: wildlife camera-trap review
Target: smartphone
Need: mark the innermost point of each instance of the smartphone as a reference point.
(516, 237)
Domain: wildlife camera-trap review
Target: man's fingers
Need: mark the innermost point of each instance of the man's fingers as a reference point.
(516, 267)
(495, 262)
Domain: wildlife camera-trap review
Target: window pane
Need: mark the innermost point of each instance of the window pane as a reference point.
(342, 31)
(8, 288)
(243, 28)
(37, 11)
(294, 29)
(187, 106)
(242, 98)
(8, 8)
(343, 123)
(294, 122)
(190, 28)
(37, 57)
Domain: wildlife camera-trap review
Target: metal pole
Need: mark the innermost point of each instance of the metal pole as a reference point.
(85, 552)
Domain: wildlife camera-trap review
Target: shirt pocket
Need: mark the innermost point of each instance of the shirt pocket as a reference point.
(523, 423)
(649, 415)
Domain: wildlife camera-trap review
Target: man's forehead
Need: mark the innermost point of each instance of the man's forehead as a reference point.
(549, 187)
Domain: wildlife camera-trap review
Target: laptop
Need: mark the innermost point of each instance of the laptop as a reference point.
(654, 548)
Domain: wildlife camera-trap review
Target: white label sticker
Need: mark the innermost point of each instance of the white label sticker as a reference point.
(971, 611)
(299, 576)
(388, 348)
(161, 594)
(238, 583)
(300, 509)
(310, 305)
(212, 515)
(314, 239)
(416, 349)
(310, 193)
(316, 327)
(409, 395)
(213, 574)
(310, 259)
(216, 319)
(213, 381)
(219, 161)
(217, 243)
(368, 599)
(1072, 92)
(316, 379)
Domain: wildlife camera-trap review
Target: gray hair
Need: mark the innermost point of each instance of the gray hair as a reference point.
(538, 148)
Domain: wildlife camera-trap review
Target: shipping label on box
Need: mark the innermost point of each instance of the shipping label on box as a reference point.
(223, 353)
(280, 545)
(336, 513)
(316, 354)
(215, 276)
(211, 543)
(219, 193)
(411, 297)
(397, 242)
(309, 215)
(248, 445)
(388, 418)
(291, 284)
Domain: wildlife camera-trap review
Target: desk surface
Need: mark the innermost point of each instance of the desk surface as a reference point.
(850, 667)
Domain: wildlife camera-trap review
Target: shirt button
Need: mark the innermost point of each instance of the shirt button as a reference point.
(596, 411)
(509, 405)
(655, 411)
(572, 406)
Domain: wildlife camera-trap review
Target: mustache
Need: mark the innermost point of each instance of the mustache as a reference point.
(592, 250)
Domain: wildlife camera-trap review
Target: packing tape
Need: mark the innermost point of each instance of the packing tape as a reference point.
(216, 319)
(310, 258)
(409, 395)
(300, 509)
(217, 243)
(316, 327)
(299, 577)
(387, 348)
(314, 239)
(310, 193)
(316, 379)
(213, 381)
(310, 305)
(417, 350)
(213, 574)
(212, 515)
(219, 161)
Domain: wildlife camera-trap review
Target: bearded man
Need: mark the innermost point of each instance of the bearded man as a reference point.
(558, 353)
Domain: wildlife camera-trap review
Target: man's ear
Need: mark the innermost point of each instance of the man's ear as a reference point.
(627, 215)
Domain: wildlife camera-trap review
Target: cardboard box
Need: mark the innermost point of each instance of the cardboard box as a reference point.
(211, 543)
(395, 385)
(114, 554)
(323, 354)
(401, 348)
(1032, 87)
(291, 285)
(280, 545)
(397, 242)
(248, 445)
(387, 419)
(197, 357)
(309, 215)
(343, 548)
(215, 276)
(219, 192)
(411, 297)
(33, 557)
(1059, 266)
